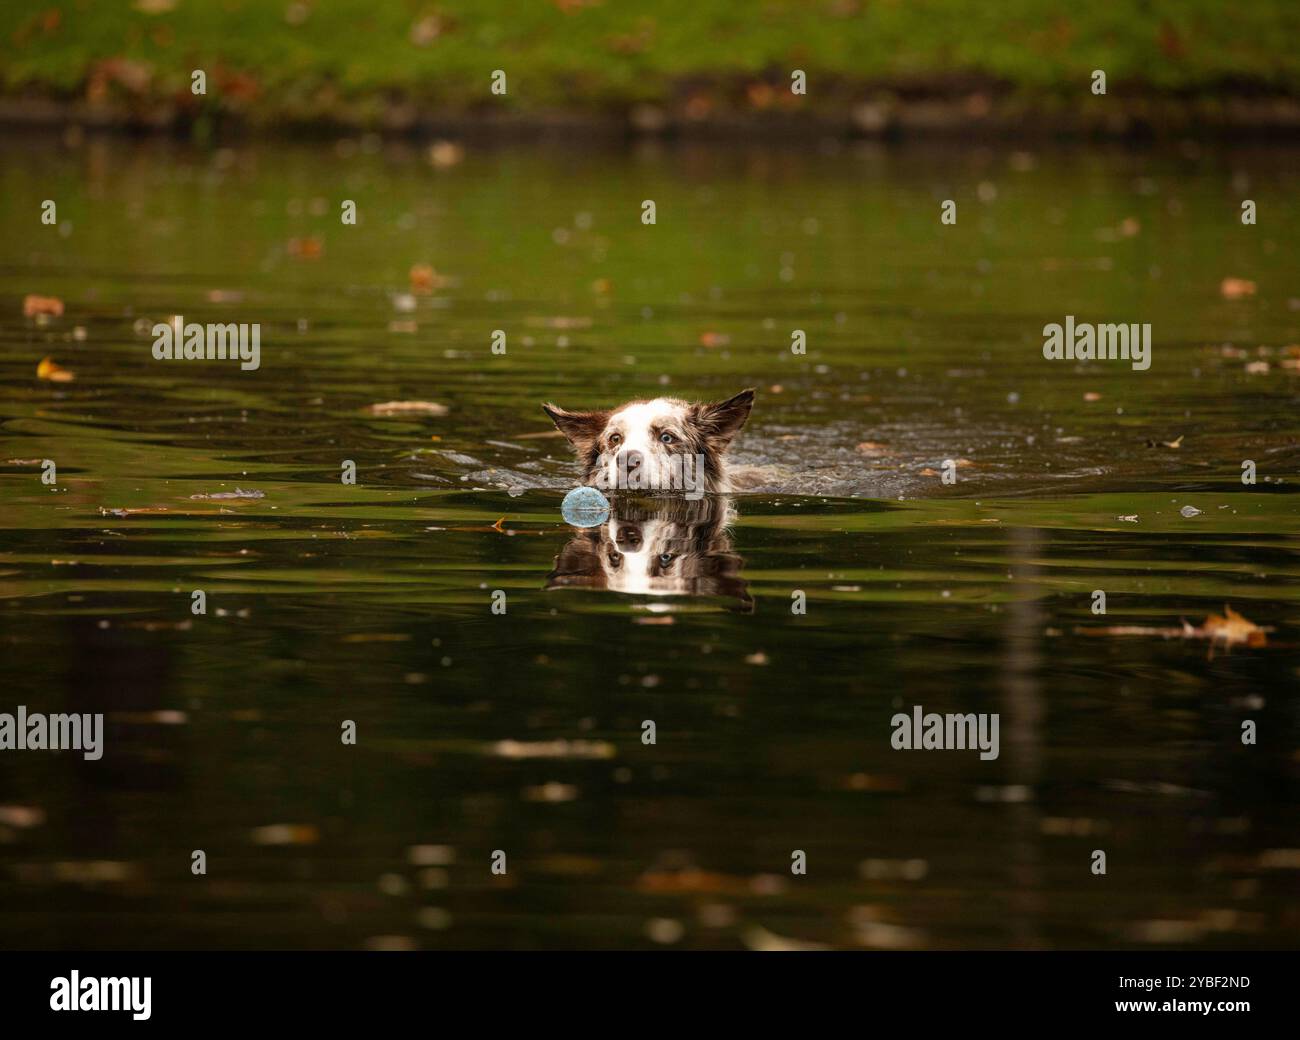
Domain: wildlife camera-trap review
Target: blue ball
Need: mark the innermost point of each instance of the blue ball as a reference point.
(585, 507)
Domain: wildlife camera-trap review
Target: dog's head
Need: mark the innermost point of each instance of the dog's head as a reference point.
(657, 547)
(657, 440)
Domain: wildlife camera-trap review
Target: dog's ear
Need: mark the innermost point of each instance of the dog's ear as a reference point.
(720, 421)
(582, 428)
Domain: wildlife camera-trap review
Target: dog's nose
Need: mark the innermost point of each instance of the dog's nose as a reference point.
(633, 459)
(628, 538)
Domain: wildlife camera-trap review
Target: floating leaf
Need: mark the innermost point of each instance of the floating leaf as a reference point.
(47, 369)
(445, 154)
(286, 834)
(309, 248)
(756, 937)
(389, 409)
(552, 749)
(424, 279)
(558, 321)
(690, 881)
(36, 305)
(1230, 629)
(21, 816)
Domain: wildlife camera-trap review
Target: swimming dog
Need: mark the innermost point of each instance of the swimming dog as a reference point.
(661, 445)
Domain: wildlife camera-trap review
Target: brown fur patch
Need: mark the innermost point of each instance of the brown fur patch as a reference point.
(583, 430)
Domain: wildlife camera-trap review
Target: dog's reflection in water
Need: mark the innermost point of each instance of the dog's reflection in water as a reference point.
(661, 546)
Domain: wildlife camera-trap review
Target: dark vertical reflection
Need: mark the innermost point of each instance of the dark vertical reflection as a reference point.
(1021, 735)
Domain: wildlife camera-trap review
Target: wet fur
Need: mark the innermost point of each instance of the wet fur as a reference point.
(703, 429)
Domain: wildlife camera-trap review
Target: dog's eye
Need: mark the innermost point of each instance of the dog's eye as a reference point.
(665, 559)
(615, 439)
(667, 438)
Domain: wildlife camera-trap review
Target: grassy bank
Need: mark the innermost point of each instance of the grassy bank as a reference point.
(656, 63)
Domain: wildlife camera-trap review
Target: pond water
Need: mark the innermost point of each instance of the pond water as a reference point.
(522, 732)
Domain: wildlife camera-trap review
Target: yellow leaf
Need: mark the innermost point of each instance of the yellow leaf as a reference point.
(47, 369)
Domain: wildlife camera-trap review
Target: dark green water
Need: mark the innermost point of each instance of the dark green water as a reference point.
(522, 732)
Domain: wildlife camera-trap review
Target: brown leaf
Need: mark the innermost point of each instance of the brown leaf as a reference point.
(761, 95)
(1232, 629)
(445, 154)
(309, 248)
(1236, 288)
(689, 881)
(424, 279)
(286, 834)
(34, 305)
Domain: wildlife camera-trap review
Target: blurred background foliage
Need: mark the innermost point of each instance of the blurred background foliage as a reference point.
(392, 63)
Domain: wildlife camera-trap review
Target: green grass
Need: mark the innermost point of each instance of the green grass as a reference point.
(604, 55)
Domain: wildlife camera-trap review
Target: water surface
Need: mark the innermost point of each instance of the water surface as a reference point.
(522, 731)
